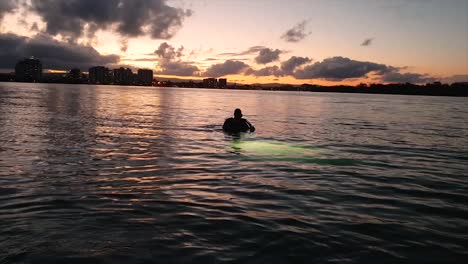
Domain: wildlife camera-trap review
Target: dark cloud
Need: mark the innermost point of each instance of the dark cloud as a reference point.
(7, 6)
(226, 68)
(34, 27)
(457, 78)
(130, 18)
(124, 45)
(267, 55)
(170, 61)
(11, 50)
(267, 71)
(367, 42)
(53, 54)
(178, 68)
(297, 33)
(168, 52)
(249, 51)
(141, 59)
(340, 68)
(394, 76)
(287, 68)
(290, 65)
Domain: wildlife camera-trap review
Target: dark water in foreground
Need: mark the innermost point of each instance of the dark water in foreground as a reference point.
(140, 175)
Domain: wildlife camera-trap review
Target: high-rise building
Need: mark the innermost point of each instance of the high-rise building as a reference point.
(74, 76)
(222, 83)
(145, 77)
(123, 76)
(210, 83)
(28, 70)
(75, 73)
(99, 75)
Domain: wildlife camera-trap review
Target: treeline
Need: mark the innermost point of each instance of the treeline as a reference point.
(434, 89)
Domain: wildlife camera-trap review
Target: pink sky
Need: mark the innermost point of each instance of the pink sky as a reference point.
(322, 42)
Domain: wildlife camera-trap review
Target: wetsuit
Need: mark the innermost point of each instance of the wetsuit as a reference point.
(236, 125)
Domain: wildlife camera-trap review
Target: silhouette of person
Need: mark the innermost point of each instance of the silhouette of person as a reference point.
(237, 124)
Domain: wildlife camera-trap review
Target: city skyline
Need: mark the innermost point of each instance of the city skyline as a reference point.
(317, 42)
(30, 70)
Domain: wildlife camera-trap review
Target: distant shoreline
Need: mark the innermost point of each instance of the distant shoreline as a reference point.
(434, 89)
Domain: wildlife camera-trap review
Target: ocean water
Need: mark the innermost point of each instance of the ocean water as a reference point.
(102, 174)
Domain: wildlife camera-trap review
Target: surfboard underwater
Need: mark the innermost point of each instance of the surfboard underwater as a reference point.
(272, 150)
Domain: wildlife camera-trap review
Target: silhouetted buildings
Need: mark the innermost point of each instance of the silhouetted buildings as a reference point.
(75, 76)
(28, 70)
(222, 83)
(214, 83)
(145, 77)
(75, 73)
(99, 75)
(120, 76)
(460, 85)
(210, 83)
(123, 76)
(7, 77)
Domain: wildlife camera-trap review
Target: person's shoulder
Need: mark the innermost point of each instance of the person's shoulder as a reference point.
(229, 121)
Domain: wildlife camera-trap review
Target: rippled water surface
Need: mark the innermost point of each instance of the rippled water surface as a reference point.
(93, 174)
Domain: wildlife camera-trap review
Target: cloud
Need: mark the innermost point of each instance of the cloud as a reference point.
(340, 68)
(264, 54)
(297, 33)
(170, 61)
(290, 65)
(178, 68)
(7, 6)
(287, 68)
(394, 76)
(457, 78)
(53, 54)
(267, 55)
(367, 42)
(140, 59)
(34, 27)
(251, 50)
(124, 45)
(226, 68)
(168, 52)
(267, 71)
(129, 18)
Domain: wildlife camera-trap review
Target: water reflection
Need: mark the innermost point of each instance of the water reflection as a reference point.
(101, 174)
(71, 129)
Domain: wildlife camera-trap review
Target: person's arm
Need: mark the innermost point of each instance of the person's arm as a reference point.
(226, 125)
(251, 127)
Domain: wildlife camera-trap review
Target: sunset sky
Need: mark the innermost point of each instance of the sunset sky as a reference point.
(263, 41)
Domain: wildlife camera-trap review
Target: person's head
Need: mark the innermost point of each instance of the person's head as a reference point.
(237, 113)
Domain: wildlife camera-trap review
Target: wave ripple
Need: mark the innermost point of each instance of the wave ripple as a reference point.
(113, 174)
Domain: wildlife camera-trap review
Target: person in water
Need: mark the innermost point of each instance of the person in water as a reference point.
(237, 124)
